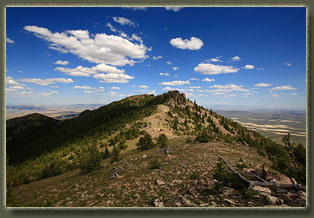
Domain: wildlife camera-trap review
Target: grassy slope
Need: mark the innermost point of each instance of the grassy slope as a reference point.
(138, 187)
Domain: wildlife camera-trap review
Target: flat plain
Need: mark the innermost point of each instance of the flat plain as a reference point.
(273, 124)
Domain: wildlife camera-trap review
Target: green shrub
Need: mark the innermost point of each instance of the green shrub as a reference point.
(189, 140)
(115, 154)
(260, 152)
(106, 154)
(145, 142)
(162, 140)
(204, 136)
(154, 164)
(89, 160)
(194, 176)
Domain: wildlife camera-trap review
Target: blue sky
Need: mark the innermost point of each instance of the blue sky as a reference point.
(254, 57)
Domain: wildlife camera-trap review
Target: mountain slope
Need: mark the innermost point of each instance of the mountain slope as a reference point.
(196, 135)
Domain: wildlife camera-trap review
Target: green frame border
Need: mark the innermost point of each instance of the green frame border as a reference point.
(31, 212)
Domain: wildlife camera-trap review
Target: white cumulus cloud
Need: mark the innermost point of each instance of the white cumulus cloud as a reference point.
(212, 69)
(192, 44)
(164, 74)
(124, 21)
(81, 87)
(8, 40)
(156, 57)
(143, 87)
(262, 85)
(208, 80)
(98, 48)
(45, 82)
(282, 88)
(62, 62)
(236, 58)
(248, 67)
(175, 83)
(175, 68)
(195, 79)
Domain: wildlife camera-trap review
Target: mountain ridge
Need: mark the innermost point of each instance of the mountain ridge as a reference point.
(118, 128)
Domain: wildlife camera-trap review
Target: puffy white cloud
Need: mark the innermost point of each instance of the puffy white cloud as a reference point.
(224, 88)
(81, 87)
(175, 9)
(192, 44)
(212, 69)
(248, 67)
(11, 81)
(86, 72)
(156, 57)
(262, 85)
(55, 87)
(114, 88)
(208, 80)
(143, 87)
(62, 62)
(168, 62)
(195, 87)
(175, 83)
(175, 68)
(137, 38)
(8, 40)
(45, 82)
(282, 88)
(236, 58)
(78, 71)
(100, 48)
(164, 74)
(216, 59)
(20, 86)
(195, 79)
(113, 77)
(124, 21)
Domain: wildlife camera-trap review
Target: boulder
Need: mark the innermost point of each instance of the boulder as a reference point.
(263, 191)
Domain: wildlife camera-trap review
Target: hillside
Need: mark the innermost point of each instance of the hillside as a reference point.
(161, 151)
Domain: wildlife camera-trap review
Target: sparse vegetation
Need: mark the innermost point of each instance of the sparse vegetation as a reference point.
(145, 142)
(89, 160)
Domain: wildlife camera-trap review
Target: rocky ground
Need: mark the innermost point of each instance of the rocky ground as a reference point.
(184, 178)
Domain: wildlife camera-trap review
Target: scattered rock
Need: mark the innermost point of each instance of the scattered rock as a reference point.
(158, 203)
(176, 182)
(293, 181)
(230, 202)
(263, 191)
(177, 204)
(187, 202)
(159, 182)
(144, 156)
(272, 200)
(227, 191)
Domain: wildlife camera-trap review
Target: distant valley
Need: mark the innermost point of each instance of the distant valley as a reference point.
(272, 123)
